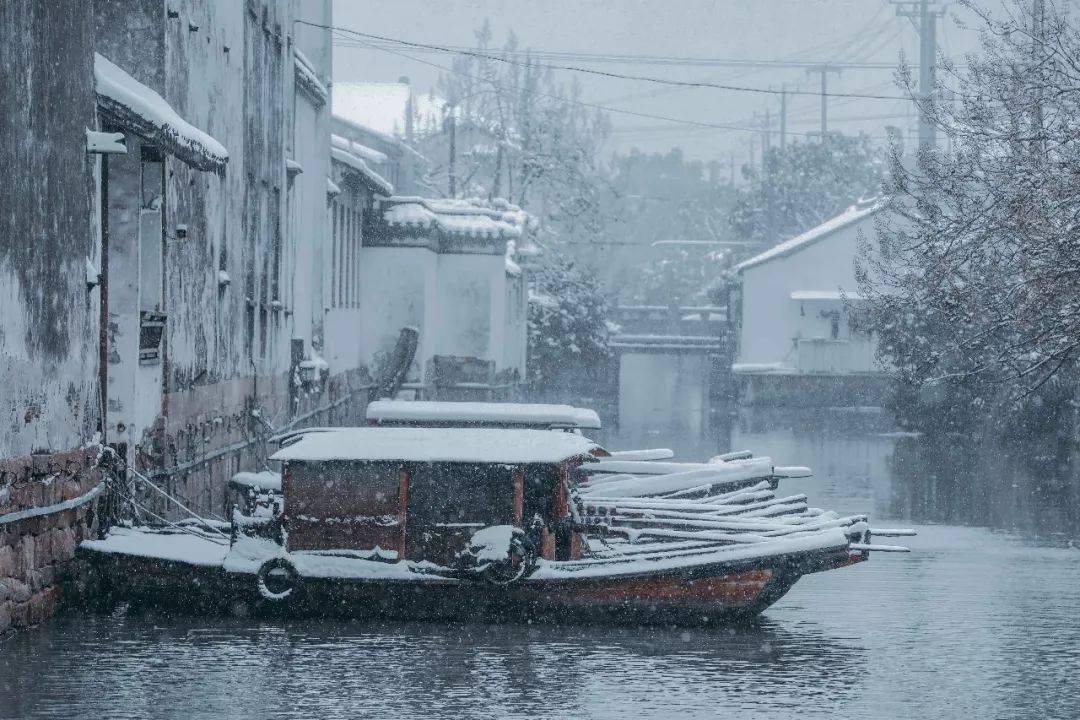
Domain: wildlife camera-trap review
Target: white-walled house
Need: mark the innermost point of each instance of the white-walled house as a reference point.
(446, 267)
(798, 306)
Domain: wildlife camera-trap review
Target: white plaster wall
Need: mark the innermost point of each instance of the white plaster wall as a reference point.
(771, 321)
(205, 85)
(310, 261)
(469, 315)
(516, 338)
(397, 288)
(309, 280)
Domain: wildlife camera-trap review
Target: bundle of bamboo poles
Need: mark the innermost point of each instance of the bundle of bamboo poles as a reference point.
(652, 507)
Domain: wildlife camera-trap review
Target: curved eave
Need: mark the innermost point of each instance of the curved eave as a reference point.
(162, 136)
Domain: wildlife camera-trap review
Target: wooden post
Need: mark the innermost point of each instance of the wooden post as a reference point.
(286, 493)
(518, 479)
(403, 505)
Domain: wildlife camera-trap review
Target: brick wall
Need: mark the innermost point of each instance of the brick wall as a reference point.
(35, 552)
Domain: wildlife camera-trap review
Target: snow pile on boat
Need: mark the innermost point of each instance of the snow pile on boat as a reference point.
(407, 444)
(185, 541)
(415, 411)
(645, 515)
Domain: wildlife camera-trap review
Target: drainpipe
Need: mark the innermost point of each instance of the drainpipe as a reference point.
(296, 356)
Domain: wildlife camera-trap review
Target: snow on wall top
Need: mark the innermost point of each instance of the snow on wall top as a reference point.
(482, 412)
(381, 106)
(852, 215)
(355, 163)
(147, 112)
(438, 445)
(467, 216)
(824, 295)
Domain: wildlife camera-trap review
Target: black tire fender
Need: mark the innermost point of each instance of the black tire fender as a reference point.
(286, 573)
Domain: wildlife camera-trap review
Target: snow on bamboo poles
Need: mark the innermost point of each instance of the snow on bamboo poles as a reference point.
(656, 509)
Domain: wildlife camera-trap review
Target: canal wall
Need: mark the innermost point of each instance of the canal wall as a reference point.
(48, 505)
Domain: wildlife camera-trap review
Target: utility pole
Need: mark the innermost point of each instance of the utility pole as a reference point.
(783, 116)
(766, 135)
(926, 12)
(824, 70)
(451, 120)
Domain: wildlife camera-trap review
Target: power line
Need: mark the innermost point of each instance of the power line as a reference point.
(657, 60)
(599, 73)
(838, 47)
(595, 106)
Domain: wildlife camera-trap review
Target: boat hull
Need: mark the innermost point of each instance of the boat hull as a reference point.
(700, 595)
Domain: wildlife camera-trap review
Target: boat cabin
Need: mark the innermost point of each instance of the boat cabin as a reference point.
(407, 493)
(426, 413)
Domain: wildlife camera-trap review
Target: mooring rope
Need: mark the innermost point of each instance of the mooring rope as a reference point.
(170, 498)
(180, 528)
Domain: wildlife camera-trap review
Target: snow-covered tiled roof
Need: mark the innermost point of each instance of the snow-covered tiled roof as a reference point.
(425, 445)
(852, 215)
(381, 106)
(360, 150)
(470, 217)
(147, 114)
(355, 163)
(332, 188)
(308, 79)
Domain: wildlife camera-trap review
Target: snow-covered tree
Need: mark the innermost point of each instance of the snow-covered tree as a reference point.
(804, 184)
(568, 328)
(518, 133)
(654, 197)
(976, 281)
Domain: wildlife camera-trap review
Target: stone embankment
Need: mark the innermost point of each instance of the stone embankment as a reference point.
(48, 505)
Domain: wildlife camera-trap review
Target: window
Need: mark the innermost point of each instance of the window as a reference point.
(347, 242)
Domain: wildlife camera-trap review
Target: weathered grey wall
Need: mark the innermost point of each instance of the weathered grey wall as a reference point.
(48, 323)
(228, 69)
(48, 319)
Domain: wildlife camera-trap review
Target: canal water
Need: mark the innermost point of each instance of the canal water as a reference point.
(974, 623)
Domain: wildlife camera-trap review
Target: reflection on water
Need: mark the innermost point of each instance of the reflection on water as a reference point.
(188, 668)
(973, 623)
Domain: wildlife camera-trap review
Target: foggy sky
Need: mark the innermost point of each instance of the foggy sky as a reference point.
(864, 30)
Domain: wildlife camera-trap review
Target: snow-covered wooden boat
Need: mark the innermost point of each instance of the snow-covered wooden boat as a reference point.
(462, 523)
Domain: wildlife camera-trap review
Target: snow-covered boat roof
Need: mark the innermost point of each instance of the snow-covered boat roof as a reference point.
(147, 114)
(443, 445)
(852, 215)
(482, 412)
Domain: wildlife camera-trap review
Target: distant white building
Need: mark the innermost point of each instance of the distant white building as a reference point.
(799, 303)
(447, 267)
(390, 108)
